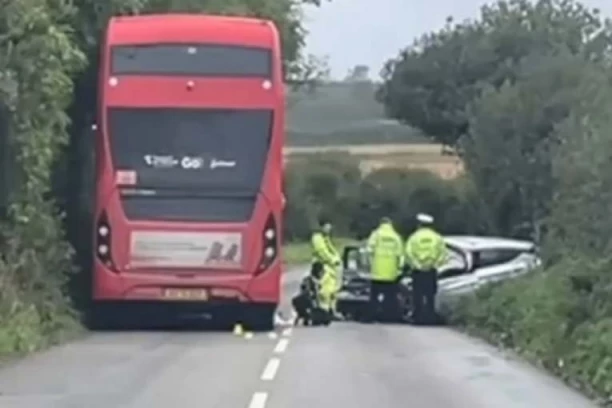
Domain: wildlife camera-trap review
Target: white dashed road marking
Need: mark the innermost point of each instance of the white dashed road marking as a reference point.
(271, 368)
(281, 346)
(258, 400)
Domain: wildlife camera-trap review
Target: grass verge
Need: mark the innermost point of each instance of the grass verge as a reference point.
(299, 253)
(27, 331)
(559, 319)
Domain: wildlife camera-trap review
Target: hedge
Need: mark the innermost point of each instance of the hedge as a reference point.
(331, 185)
(559, 318)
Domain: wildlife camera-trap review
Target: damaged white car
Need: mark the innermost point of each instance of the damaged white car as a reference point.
(472, 262)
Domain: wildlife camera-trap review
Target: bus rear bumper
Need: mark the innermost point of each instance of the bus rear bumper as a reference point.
(202, 289)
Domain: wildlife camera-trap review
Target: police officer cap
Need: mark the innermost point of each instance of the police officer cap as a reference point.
(425, 218)
(385, 220)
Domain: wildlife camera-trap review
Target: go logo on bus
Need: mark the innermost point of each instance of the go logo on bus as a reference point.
(192, 162)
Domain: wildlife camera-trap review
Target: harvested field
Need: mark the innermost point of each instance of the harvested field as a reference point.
(367, 149)
(372, 157)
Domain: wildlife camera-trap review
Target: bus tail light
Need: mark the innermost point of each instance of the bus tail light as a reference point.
(103, 242)
(270, 245)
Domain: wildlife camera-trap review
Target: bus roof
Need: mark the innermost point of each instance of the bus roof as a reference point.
(191, 28)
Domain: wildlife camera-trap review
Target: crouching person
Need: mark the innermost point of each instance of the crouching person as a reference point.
(311, 304)
(306, 301)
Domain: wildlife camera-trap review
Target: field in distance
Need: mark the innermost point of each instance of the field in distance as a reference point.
(371, 157)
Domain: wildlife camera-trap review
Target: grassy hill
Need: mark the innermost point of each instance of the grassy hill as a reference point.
(344, 117)
(343, 113)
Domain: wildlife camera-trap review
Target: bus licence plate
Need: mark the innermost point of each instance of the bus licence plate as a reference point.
(185, 294)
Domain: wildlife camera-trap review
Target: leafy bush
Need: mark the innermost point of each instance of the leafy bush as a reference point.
(332, 185)
(580, 221)
(512, 139)
(36, 88)
(560, 318)
(326, 185)
(300, 253)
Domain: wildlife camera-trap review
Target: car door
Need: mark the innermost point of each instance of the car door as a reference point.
(356, 266)
(456, 277)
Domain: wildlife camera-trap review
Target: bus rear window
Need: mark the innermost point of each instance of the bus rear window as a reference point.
(215, 149)
(191, 60)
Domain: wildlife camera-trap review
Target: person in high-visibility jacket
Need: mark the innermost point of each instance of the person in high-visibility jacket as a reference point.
(385, 246)
(327, 294)
(326, 256)
(425, 253)
(313, 302)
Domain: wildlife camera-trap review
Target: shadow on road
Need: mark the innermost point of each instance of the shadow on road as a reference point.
(142, 319)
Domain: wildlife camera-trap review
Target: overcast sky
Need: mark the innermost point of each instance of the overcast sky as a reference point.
(351, 32)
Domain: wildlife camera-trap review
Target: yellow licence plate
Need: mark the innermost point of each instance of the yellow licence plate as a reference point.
(185, 294)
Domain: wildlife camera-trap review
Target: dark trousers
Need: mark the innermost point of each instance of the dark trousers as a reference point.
(316, 269)
(387, 310)
(424, 289)
(303, 307)
(308, 312)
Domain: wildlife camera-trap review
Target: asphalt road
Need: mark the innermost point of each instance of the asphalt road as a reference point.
(348, 364)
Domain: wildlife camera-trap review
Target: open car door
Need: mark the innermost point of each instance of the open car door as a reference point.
(356, 269)
(457, 275)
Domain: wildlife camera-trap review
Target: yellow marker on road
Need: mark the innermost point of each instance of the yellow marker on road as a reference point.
(248, 335)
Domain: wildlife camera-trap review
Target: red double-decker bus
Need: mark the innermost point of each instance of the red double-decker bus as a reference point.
(189, 168)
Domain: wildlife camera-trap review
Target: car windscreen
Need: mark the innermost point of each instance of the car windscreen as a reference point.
(357, 259)
(218, 149)
(492, 257)
(212, 60)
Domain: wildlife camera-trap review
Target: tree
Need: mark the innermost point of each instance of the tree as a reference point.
(494, 89)
(511, 143)
(431, 84)
(37, 63)
(579, 221)
(359, 73)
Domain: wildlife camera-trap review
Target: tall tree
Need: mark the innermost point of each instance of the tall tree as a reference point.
(512, 139)
(431, 83)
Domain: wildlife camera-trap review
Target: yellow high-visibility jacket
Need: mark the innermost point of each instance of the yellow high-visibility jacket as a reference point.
(386, 249)
(323, 249)
(425, 250)
(328, 287)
